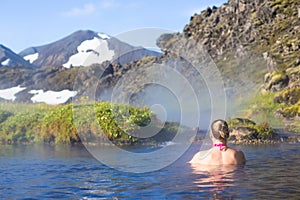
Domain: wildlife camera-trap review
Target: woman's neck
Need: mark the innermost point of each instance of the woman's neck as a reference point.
(221, 145)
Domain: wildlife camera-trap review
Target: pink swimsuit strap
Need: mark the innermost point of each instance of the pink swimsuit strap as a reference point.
(220, 145)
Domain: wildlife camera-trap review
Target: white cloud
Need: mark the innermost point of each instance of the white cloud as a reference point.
(109, 4)
(87, 9)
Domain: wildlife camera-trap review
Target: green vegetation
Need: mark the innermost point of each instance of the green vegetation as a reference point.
(4, 115)
(275, 78)
(261, 108)
(291, 111)
(20, 127)
(280, 109)
(27, 123)
(57, 126)
(262, 131)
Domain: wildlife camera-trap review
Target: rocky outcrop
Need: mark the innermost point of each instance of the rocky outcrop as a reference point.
(240, 133)
(276, 81)
(224, 28)
(13, 76)
(243, 130)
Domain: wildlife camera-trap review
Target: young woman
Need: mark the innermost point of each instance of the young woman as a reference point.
(220, 154)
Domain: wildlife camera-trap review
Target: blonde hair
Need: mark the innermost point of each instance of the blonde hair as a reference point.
(219, 130)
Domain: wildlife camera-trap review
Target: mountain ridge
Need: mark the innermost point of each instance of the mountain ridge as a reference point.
(8, 57)
(84, 45)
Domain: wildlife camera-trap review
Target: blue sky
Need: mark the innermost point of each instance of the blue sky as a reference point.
(34, 22)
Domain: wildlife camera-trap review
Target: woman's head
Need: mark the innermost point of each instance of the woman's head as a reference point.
(219, 130)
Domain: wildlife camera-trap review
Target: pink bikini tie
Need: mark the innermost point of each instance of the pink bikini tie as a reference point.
(220, 146)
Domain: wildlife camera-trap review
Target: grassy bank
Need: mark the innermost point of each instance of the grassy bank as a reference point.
(261, 108)
(94, 123)
(280, 109)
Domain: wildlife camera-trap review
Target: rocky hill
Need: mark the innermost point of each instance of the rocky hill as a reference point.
(247, 37)
(255, 45)
(9, 58)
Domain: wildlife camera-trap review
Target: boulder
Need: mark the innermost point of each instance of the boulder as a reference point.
(241, 133)
(276, 81)
(243, 130)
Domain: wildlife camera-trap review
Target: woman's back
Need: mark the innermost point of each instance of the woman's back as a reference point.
(228, 157)
(215, 156)
(219, 154)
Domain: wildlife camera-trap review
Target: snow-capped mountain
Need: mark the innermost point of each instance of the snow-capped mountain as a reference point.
(9, 58)
(83, 48)
(49, 71)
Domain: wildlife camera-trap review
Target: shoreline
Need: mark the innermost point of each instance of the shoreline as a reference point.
(283, 138)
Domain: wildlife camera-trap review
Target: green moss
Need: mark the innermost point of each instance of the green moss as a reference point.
(281, 4)
(293, 71)
(277, 76)
(288, 96)
(291, 111)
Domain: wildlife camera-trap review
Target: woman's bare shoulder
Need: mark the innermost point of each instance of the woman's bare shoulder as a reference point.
(200, 157)
(236, 156)
(240, 156)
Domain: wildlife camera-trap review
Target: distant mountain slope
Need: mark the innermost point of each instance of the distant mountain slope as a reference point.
(83, 48)
(9, 58)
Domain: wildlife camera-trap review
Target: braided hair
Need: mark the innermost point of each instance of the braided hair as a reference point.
(219, 130)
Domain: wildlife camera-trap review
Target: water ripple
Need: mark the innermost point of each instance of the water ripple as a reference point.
(45, 172)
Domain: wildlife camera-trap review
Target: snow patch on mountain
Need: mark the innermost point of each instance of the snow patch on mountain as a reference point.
(10, 93)
(5, 62)
(32, 57)
(91, 52)
(103, 36)
(52, 97)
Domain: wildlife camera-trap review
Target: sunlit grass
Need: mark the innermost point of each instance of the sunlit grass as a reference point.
(29, 123)
(261, 108)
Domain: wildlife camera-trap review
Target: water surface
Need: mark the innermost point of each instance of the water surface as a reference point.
(42, 171)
